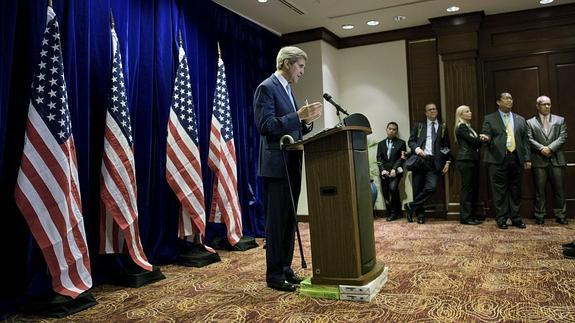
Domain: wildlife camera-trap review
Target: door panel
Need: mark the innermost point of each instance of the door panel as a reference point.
(525, 78)
(562, 77)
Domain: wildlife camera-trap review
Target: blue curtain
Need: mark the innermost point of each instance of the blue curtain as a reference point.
(148, 33)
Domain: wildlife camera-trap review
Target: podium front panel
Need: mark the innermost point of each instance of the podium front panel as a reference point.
(340, 210)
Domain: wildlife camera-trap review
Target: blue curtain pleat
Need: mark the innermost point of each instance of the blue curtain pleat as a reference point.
(148, 34)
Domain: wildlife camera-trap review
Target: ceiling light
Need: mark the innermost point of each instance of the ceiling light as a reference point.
(545, 1)
(452, 9)
(400, 18)
(372, 23)
(262, 1)
(348, 26)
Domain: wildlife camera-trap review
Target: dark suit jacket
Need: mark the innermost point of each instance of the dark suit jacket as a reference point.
(494, 127)
(441, 145)
(275, 116)
(468, 143)
(395, 160)
(554, 140)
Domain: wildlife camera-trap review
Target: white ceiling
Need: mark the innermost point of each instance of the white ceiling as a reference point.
(276, 16)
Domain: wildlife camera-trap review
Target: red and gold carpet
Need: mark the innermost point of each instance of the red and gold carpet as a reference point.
(438, 272)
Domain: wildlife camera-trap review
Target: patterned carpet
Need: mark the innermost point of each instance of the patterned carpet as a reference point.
(438, 272)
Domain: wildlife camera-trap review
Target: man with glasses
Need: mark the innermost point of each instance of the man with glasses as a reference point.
(429, 140)
(506, 155)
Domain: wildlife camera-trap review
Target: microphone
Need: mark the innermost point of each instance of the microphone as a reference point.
(337, 106)
(286, 140)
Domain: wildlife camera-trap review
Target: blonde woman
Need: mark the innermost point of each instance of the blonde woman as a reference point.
(467, 163)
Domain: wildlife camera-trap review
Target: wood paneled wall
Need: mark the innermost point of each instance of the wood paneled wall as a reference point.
(528, 53)
(423, 79)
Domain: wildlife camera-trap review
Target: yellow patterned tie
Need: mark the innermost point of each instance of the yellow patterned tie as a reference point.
(510, 136)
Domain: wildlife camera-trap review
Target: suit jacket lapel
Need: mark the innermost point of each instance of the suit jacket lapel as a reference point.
(437, 133)
(284, 95)
(393, 148)
(542, 129)
(515, 127)
(500, 122)
(422, 135)
(551, 126)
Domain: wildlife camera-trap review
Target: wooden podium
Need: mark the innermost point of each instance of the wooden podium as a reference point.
(340, 209)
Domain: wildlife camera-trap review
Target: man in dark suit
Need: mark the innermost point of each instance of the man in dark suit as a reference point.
(429, 140)
(547, 134)
(276, 115)
(390, 157)
(506, 155)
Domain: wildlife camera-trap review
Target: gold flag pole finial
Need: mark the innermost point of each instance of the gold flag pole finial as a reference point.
(112, 19)
(181, 41)
(49, 3)
(219, 51)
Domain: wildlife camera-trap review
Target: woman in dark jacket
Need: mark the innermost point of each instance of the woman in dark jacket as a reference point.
(467, 163)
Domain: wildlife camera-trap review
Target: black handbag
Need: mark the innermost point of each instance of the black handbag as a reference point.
(414, 163)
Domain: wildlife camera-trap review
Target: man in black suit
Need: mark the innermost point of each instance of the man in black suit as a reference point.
(547, 133)
(429, 140)
(390, 157)
(506, 155)
(276, 115)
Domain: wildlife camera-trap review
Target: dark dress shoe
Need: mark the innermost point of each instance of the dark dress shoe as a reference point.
(393, 217)
(569, 253)
(539, 221)
(470, 222)
(294, 279)
(562, 221)
(519, 225)
(282, 286)
(502, 226)
(409, 212)
(570, 245)
(420, 220)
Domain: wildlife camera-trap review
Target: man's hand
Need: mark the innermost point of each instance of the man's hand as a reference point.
(484, 137)
(420, 152)
(310, 112)
(527, 165)
(384, 173)
(445, 169)
(392, 173)
(546, 151)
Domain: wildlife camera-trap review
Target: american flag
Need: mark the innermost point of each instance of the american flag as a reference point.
(119, 218)
(222, 161)
(184, 169)
(47, 190)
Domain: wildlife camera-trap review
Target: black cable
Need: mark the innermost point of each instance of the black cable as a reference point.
(303, 263)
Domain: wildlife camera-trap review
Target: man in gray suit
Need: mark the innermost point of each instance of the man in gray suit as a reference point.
(547, 134)
(507, 153)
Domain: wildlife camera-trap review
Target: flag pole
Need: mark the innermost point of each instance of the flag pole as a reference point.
(219, 51)
(49, 3)
(181, 42)
(112, 24)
